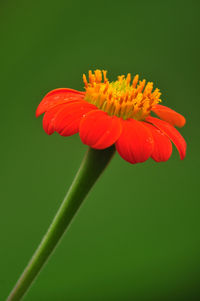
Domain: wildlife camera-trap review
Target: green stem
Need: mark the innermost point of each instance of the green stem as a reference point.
(91, 168)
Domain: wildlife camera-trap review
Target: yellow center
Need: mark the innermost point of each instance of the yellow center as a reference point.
(121, 97)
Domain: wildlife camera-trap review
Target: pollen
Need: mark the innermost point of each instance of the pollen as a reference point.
(123, 98)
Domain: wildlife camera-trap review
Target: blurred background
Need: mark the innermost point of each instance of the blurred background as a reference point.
(136, 236)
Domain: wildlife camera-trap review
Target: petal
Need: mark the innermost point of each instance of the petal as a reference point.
(135, 143)
(65, 118)
(172, 133)
(162, 144)
(169, 115)
(68, 120)
(99, 130)
(56, 97)
(49, 118)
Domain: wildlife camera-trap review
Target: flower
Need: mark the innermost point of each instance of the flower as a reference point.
(117, 112)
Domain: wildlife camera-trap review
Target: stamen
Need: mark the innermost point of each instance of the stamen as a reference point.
(120, 78)
(106, 87)
(91, 78)
(104, 75)
(148, 88)
(141, 86)
(98, 76)
(85, 81)
(119, 98)
(135, 81)
(128, 78)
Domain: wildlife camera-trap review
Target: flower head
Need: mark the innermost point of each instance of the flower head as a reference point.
(117, 113)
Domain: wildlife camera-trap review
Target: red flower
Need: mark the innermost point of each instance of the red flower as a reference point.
(117, 113)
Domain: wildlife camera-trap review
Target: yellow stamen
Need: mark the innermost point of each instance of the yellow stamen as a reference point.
(135, 81)
(120, 98)
(85, 80)
(104, 75)
(128, 78)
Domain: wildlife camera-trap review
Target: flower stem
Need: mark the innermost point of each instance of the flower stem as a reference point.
(91, 168)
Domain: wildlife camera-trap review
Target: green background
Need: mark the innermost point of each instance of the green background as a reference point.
(136, 236)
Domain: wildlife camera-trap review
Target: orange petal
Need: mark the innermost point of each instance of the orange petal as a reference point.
(49, 117)
(68, 120)
(135, 143)
(56, 97)
(162, 145)
(169, 115)
(65, 118)
(99, 130)
(172, 133)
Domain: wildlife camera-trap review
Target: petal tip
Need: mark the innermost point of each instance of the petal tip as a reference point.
(169, 115)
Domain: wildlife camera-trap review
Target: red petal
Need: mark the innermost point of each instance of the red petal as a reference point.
(65, 118)
(49, 118)
(169, 115)
(99, 130)
(56, 97)
(68, 120)
(162, 144)
(135, 143)
(172, 133)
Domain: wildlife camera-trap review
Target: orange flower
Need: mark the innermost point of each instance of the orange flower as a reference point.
(117, 113)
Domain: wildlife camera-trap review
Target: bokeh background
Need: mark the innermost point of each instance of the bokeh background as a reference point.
(137, 235)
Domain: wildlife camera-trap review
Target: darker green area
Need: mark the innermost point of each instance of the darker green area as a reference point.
(137, 235)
